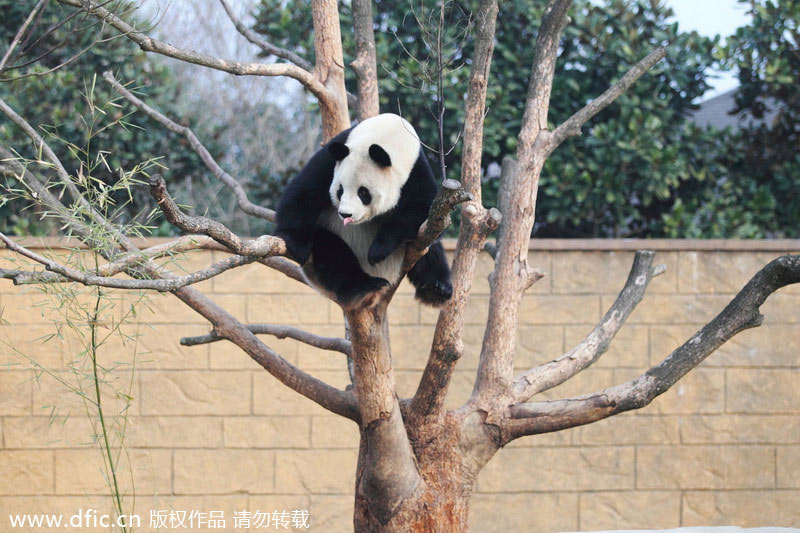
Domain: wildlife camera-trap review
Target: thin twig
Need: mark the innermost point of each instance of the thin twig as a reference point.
(334, 344)
(20, 33)
(241, 197)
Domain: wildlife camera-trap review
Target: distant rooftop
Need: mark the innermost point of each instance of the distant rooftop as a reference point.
(716, 113)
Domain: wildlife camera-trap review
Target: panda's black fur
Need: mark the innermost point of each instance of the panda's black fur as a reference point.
(314, 229)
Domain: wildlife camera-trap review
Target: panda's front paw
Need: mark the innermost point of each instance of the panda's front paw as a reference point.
(296, 248)
(380, 250)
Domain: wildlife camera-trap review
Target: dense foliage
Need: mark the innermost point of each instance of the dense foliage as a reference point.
(642, 167)
(73, 102)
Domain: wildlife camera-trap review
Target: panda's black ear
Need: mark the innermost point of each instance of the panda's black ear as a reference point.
(338, 150)
(380, 156)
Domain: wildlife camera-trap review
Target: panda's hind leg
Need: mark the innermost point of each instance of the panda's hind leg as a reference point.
(431, 277)
(336, 268)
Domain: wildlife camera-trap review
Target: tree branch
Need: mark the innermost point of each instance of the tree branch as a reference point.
(740, 314)
(333, 344)
(556, 372)
(450, 195)
(20, 33)
(164, 285)
(390, 473)
(572, 126)
(365, 64)
(512, 275)
(476, 224)
(342, 402)
(237, 68)
(262, 43)
(329, 66)
(238, 191)
(263, 246)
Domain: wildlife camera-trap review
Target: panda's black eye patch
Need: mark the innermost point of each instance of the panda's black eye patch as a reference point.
(364, 195)
(340, 192)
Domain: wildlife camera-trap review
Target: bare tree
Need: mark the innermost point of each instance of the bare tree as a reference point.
(417, 462)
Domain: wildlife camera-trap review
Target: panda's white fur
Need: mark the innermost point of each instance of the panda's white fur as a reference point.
(398, 138)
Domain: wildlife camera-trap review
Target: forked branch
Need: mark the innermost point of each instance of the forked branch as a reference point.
(572, 126)
(740, 314)
(556, 372)
(231, 182)
(65, 273)
(333, 344)
(263, 246)
(239, 68)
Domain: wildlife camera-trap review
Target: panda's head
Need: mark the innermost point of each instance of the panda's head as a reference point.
(372, 166)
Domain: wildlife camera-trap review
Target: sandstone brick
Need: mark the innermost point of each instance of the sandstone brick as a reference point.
(404, 310)
(776, 508)
(333, 432)
(781, 307)
(759, 347)
(589, 380)
(267, 432)
(630, 510)
(705, 467)
(81, 471)
(17, 396)
(331, 513)
(701, 391)
(763, 391)
(558, 469)
(25, 347)
(589, 272)
(310, 358)
(660, 309)
(167, 309)
(46, 432)
(559, 309)
(535, 345)
(196, 393)
(256, 278)
(224, 471)
(32, 306)
(158, 346)
(411, 346)
(721, 272)
(629, 348)
(271, 397)
(788, 467)
(296, 309)
(476, 313)
(744, 429)
(198, 511)
(62, 393)
(557, 438)
(26, 472)
(459, 391)
(543, 512)
(174, 432)
(629, 428)
(315, 471)
(190, 262)
(228, 356)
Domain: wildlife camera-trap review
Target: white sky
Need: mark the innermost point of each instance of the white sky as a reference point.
(711, 17)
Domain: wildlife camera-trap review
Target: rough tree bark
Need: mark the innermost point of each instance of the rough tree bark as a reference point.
(417, 462)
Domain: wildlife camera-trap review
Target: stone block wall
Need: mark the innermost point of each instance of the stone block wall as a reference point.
(209, 430)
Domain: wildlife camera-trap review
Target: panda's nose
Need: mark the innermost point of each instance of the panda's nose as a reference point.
(345, 215)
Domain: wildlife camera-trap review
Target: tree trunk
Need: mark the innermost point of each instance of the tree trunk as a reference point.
(441, 500)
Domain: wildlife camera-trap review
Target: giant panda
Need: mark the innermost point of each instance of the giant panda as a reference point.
(350, 212)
